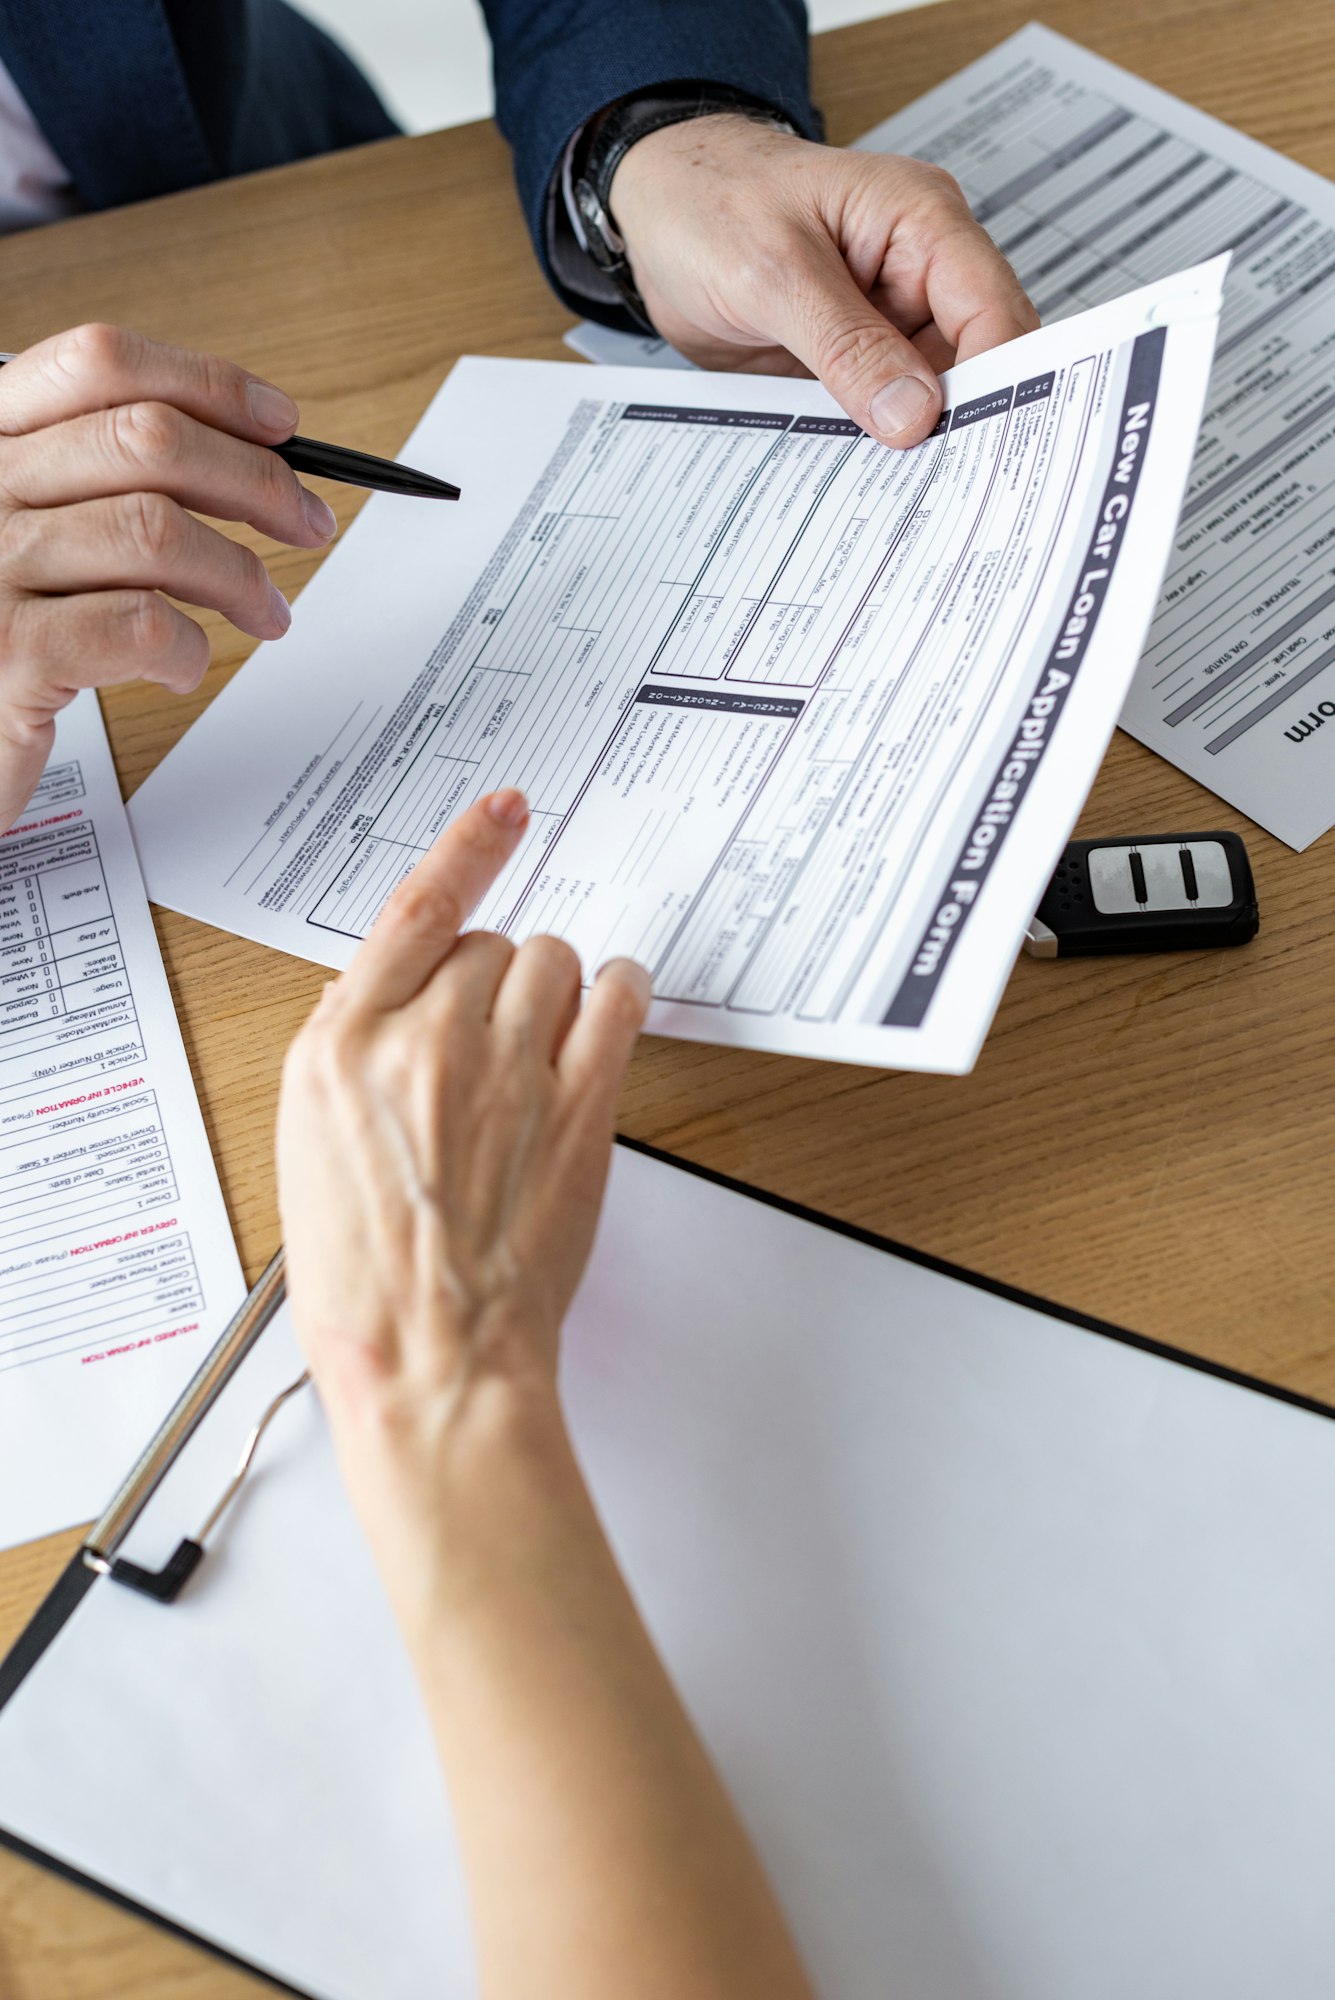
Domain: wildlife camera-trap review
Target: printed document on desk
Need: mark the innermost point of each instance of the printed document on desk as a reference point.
(1091, 181)
(625, 350)
(804, 722)
(117, 1267)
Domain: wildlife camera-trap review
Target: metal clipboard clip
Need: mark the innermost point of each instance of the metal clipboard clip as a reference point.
(164, 1585)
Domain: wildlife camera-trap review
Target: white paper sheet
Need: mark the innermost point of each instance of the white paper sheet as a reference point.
(1091, 181)
(623, 350)
(1012, 1642)
(804, 722)
(117, 1266)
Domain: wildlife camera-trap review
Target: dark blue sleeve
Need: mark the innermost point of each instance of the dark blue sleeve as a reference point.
(558, 62)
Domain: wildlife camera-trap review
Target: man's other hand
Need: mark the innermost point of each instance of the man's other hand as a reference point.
(107, 442)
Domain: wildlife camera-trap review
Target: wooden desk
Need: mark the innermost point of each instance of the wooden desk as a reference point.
(1151, 1141)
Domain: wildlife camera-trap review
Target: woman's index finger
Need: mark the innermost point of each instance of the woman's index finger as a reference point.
(424, 918)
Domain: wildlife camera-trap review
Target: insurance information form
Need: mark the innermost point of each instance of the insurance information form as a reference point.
(804, 722)
(117, 1265)
(1092, 181)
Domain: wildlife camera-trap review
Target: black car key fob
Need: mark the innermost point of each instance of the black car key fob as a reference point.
(1169, 892)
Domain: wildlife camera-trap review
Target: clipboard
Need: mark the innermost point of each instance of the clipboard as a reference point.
(1008, 1629)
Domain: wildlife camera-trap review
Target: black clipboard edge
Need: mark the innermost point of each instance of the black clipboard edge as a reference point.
(996, 1286)
(56, 1866)
(61, 1601)
(69, 1590)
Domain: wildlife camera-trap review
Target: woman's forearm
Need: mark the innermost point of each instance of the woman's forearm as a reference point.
(602, 1853)
(444, 1140)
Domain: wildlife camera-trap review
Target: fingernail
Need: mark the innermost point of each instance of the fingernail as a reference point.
(631, 973)
(510, 808)
(280, 608)
(319, 518)
(900, 406)
(271, 409)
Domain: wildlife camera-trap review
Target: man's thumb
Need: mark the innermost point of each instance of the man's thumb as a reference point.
(866, 364)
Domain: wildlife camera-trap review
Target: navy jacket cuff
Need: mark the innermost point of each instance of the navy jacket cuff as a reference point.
(557, 66)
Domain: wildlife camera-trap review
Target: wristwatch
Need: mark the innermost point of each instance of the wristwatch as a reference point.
(599, 149)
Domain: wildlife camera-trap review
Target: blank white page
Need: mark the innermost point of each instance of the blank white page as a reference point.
(1012, 1641)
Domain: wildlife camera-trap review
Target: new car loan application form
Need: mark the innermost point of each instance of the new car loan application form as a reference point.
(803, 722)
(1091, 180)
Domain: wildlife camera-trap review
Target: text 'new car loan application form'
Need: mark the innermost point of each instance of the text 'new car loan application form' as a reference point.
(803, 722)
(1092, 180)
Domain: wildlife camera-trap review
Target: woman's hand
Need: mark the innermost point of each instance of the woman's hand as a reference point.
(443, 1143)
(107, 440)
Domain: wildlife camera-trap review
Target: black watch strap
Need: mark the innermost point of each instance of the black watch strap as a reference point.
(603, 145)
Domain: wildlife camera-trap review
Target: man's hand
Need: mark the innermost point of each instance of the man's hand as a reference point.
(759, 251)
(106, 440)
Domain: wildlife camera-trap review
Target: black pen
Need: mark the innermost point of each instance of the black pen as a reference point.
(352, 468)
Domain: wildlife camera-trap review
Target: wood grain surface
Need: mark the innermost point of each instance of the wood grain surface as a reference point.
(1151, 1141)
